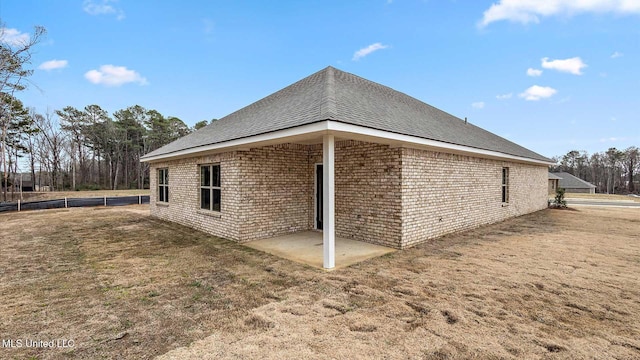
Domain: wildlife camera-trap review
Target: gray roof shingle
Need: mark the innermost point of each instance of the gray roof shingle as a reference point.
(331, 94)
(568, 181)
(554, 177)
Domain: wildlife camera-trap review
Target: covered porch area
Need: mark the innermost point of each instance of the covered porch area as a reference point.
(331, 200)
(306, 247)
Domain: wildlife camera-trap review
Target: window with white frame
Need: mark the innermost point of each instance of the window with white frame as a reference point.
(163, 185)
(505, 184)
(210, 194)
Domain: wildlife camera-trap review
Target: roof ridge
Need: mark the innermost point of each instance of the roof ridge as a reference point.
(584, 182)
(328, 108)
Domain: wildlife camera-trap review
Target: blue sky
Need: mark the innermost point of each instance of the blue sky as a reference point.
(551, 75)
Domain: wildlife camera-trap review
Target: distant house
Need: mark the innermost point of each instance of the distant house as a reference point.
(19, 182)
(27, 183)
(572, 184)
(347, 156)
(553, 183)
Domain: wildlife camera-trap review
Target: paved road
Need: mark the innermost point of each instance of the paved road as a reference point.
(576, 202)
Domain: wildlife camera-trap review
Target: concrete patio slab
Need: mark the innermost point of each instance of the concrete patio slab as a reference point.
(306, 247)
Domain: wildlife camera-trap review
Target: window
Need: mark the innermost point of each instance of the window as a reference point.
(210, 187)
(163, 185)
(505, 184)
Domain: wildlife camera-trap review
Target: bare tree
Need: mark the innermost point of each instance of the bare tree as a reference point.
(631, 160)
(32, 144)
(613, 161)
(51, 144)
(14, 55)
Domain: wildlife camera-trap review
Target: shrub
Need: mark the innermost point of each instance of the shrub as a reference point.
(559, 201)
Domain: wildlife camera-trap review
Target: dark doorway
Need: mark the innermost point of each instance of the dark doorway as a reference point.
(319, 177)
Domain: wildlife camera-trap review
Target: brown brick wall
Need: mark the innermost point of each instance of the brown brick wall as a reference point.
(368, 201)
(444, 193)
(395, 197)
(184, 205)
(274, 191)
(263, 193)
(553, 186)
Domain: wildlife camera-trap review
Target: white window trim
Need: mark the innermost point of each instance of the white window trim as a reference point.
(504, 194)
(162, 185)
(210, 187)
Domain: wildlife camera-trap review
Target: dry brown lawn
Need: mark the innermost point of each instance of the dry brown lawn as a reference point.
(551, 285)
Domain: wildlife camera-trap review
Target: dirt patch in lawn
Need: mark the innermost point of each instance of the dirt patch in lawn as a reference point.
(554, 284)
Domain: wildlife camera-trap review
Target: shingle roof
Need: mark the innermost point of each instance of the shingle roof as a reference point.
(568, 181)
(554, 177)
(331, 94)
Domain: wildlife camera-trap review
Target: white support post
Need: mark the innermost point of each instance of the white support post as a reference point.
(105, 200)
(18, 205)
(65, 202)
(328, 202)
(139, 199)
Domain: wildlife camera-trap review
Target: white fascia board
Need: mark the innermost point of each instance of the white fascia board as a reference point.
(408, 141)
(344, 131)
(251, 141)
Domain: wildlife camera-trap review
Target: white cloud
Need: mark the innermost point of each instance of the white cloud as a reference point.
(478, 105)
(102, 7)
(612, 139)
(616, 55)
(530, 11)
(504, 96)
(13, 37)
(368, 50)
(573, 65)
(53, 64)
(536, 93)
(534, 72)
(110, 75)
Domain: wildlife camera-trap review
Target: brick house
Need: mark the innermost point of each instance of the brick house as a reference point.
(553, 183)
(353, 158)
(573, 184)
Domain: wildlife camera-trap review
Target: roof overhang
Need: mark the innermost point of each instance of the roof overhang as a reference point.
(312, 133)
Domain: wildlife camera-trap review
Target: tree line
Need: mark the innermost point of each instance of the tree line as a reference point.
(73, 148)
(87, 148)
(613, 171)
